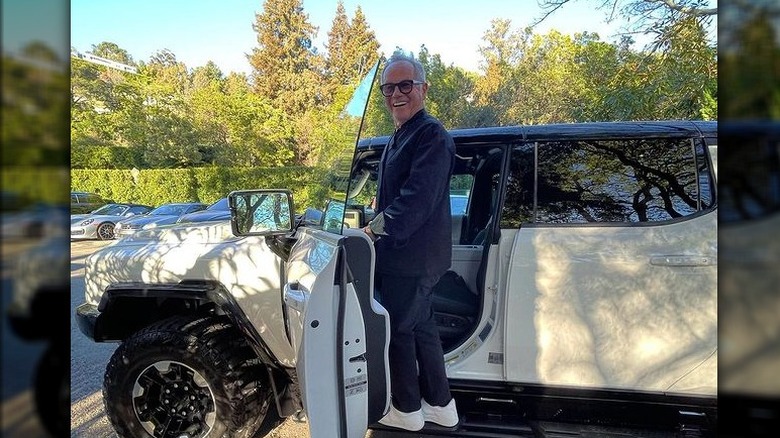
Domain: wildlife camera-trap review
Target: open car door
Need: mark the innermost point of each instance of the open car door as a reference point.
(344, 332)
(339, 332)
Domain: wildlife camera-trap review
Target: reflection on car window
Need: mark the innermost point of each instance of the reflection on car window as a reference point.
(608, 181)
(111, 210)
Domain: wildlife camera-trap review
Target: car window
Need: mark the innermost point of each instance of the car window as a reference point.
(193, 208)
(111, 210)
(170, 210)
(749, 189)
(636, 180)
(458, 204)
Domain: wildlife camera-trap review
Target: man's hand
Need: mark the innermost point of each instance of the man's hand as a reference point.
(370, 233)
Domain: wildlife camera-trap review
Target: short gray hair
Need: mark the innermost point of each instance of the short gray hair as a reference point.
(399, 55)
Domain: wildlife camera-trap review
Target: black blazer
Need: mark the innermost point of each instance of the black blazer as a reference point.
(413, 197)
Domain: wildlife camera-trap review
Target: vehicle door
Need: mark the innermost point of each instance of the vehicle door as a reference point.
(338, 330)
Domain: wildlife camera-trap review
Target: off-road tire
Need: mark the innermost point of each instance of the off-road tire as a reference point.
(211, 374)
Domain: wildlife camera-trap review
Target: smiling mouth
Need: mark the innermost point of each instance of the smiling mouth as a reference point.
(399, 104)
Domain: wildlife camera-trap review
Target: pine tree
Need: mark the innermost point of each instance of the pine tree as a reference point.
(285, 66)
(352, 48)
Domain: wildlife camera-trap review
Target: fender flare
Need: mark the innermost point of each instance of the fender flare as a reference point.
(127, 307)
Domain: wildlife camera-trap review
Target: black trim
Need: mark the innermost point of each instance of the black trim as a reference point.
(359, 268)
(492, 406)
(124, 309)
(569, 131)
(341, 281)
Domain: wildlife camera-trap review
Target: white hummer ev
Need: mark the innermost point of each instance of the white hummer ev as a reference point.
(581, 299)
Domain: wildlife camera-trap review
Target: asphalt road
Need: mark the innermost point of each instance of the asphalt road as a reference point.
(88, 361)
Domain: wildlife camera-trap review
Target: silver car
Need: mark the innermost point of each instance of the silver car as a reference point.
(162, 215)
(100, 223)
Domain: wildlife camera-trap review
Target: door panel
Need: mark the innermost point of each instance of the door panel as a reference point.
(340, 332)
(590, 308)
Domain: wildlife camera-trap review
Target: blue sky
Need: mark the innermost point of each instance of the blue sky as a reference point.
(197, 31)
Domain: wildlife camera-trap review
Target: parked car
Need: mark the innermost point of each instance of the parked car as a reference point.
(162, 215)
(100, 223)
(582, 297)
(86, 202)
(218, 211)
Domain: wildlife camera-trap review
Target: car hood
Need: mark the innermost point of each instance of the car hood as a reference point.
(155, 219)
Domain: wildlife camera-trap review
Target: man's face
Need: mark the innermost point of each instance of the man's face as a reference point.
(403, 106)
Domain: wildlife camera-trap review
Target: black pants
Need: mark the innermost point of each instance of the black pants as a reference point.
(416, 356)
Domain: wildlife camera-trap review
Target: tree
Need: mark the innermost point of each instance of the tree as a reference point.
(362, 47)
(285, 67)
(113, 52)
(205, 75)
(336, 46)
(450, 90)
(647, 16)
(352, 47)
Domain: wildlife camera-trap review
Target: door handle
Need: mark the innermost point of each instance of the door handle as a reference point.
(683, 260)
(295, 296)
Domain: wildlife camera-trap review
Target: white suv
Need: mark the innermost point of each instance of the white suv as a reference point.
(582, 297)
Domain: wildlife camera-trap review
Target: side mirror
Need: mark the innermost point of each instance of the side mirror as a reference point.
(261, 212)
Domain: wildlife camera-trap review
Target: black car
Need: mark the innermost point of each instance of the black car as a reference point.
(217, 211)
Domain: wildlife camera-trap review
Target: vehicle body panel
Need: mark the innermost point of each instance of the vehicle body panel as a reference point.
(344, 383)
(640, 316)
(246, 267)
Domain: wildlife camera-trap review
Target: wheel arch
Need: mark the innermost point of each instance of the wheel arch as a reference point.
(126, 308)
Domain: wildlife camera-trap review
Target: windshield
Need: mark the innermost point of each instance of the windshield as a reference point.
(169, 210)
(111, 210)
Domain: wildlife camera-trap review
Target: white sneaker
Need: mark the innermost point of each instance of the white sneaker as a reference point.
(446, 416)
(412, 421)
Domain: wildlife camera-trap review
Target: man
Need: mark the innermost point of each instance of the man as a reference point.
(412, 230)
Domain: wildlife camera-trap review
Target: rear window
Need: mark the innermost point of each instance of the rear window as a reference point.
(607, 181)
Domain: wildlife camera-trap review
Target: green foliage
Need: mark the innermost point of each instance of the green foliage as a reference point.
(103, 157)
(110, 184)
(113, 52)
(750, 61)
(289, 112)
(285, 67)
(202, 184)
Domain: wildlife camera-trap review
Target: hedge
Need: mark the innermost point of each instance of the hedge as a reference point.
(204, 184)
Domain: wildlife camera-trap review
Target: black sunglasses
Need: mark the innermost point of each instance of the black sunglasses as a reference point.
(403, 86)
